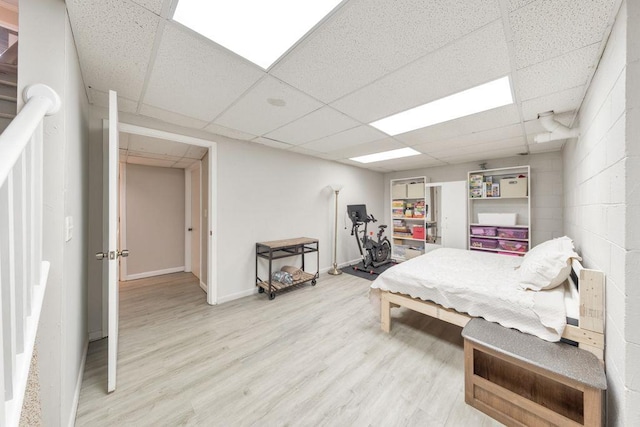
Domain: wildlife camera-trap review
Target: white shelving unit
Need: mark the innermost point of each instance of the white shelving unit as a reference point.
(406, 195)
(500, 191)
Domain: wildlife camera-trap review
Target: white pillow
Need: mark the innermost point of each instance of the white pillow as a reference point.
(547, 265)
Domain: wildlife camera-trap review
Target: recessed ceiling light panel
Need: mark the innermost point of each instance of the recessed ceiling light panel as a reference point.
(386, 155)
(258, 30)
(485, 97)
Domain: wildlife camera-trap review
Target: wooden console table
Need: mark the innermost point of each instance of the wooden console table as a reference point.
(519, 379)
(278, 249)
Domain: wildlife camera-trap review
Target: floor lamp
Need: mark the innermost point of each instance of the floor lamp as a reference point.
(334, 270)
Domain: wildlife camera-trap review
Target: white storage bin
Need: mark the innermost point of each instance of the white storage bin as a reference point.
(513, 187)
(497, 218)
(412, 253)
(415, 191)
(399, 191)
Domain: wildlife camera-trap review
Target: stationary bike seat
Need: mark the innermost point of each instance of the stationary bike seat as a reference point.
(382, 226)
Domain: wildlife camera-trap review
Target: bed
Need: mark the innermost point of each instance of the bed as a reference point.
(456, 285)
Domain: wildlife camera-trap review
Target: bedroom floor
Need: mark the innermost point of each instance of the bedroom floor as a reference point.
(313, 356)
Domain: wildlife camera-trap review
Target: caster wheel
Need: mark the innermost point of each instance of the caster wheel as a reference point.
(260, 290)
(313, 282)
(272, 295)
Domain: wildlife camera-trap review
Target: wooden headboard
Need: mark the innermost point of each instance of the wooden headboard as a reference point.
(589, 334)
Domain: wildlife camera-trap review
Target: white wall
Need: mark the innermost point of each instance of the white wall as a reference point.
(155, 219)
(267, 194)
(263, 194)
(602, 171)
(546, 188)
(47, 55)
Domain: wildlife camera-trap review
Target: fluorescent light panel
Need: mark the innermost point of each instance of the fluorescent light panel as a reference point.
(471, 101)
(260, 31)
(386, 155)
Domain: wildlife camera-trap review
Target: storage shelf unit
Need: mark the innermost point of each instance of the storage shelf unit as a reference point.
(407, 197)
(502, 191)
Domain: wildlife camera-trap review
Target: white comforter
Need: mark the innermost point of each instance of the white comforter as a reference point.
(482, 285)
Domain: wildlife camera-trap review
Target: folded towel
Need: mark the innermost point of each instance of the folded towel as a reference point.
(282, 277)
(295, 272)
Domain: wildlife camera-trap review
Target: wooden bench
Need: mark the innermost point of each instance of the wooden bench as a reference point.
(519, 379)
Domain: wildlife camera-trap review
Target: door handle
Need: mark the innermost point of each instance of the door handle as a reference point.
(101, 255)
(190, 229)
(123, 253)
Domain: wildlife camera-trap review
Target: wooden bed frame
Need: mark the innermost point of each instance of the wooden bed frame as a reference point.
(589, 334)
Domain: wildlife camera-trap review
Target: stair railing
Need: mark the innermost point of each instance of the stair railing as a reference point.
(23, 272)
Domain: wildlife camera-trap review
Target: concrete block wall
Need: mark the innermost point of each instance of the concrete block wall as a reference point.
(596, 168)
(546, 188)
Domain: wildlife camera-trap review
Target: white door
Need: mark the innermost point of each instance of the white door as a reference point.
(195, 222)
(110, 235)
(454, 214)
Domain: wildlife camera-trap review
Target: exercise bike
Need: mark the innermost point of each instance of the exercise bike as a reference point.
(374, 252)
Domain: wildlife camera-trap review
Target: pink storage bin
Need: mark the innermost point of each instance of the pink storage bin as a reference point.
(483, 243)
(509, 254)
(484, 231)
(513, 233)
(510, 245)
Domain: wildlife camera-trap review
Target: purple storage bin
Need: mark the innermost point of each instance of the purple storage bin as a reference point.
(513, 246)
(513, 233)
(484, 243)
(477, 230)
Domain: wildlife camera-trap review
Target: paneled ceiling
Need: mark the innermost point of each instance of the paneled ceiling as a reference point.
(366, 60)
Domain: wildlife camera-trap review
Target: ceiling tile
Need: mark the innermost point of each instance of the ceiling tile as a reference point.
(350, 137)
(154, 6)
(150, 162)
(451, 150)
(196, 77)
(544, 29)
(496, 118)
(101, 99)
(171, 117)
(320, 123)
(346, 52)
(123, 140)
(272, 143)
(434, 76)
(517, 4)
(229, 133)
(267, 106)
(406, 163)
(103, 32)
(195, 153)
(482, 157)
(557, 74)
(473, 139)
(566, 100)
(146, 144)
(386, 144)
(547, 146)
(183, 164)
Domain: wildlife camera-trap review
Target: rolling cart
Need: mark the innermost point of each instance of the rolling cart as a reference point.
(278, 249)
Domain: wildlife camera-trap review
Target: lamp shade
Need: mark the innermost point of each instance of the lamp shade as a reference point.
(336, 187)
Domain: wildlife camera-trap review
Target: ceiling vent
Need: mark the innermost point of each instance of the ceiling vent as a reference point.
(556, 130)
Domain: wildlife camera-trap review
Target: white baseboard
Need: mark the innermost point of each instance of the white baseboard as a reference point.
(95, 336)
(237, 295)
(155, 273)
(76, 394)
(341, 265)
(203, 286)
(252, 291)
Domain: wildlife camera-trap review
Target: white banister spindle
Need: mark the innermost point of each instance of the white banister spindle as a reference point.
(8, 284)
(23, 272)
(19, 218)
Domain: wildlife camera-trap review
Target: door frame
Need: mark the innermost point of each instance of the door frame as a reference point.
(188, 203)
(212, 214)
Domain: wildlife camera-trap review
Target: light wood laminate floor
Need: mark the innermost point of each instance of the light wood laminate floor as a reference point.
(313, 356)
